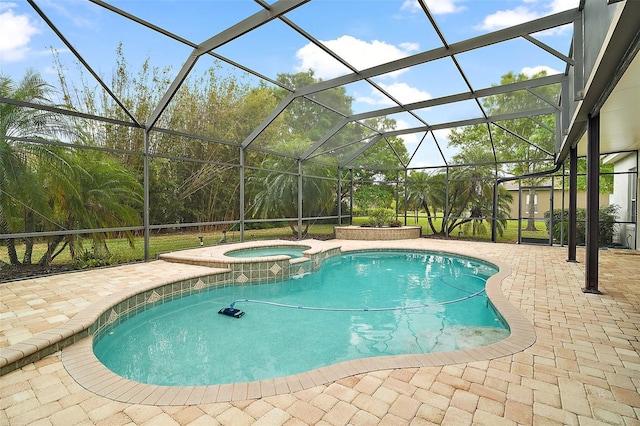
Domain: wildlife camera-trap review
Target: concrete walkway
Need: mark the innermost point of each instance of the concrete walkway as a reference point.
(584, 367)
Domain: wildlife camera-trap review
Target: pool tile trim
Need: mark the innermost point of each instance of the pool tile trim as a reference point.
(208, 269)
(82, 325)
(81, 363)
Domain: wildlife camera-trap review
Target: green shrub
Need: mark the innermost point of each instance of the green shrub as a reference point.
(89, 259)
(357, 212)
(607, 216)
(381, 216)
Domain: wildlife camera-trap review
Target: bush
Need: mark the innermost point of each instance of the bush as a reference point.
(88, 259)
(358, 212)
(607, 216)
(381, 216)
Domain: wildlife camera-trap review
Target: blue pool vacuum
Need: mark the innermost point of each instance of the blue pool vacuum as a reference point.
(231, 312)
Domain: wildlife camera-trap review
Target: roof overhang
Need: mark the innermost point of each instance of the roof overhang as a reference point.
(612, 90)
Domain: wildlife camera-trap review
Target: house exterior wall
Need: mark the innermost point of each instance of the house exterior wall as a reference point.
(544, 201)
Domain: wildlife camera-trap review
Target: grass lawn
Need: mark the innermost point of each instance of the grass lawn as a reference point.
(121, 252)
(510, 234)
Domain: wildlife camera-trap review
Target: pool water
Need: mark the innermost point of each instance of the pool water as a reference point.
(292, 251)
(357, 305)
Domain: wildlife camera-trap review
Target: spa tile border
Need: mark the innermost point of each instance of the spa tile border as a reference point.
(267, 269)
(81, 363)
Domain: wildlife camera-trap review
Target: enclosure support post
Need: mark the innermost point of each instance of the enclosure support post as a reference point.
(145, 180)
(445, 226)
(634, 216)
(593, 196)
(551, 207)
(351, 198)
(494, 213)
(299, 199)
(519, 211)
(406, 190)
(562, 205)
(339, 196)
(397, 193)
(573, 203)
(241, 194)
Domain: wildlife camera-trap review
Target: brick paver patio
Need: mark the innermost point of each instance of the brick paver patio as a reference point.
(584, 367)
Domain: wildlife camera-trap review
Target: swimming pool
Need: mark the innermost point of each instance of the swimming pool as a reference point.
(358, 305)
(292, 251)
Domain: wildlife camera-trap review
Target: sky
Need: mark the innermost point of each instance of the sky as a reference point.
(364, 33)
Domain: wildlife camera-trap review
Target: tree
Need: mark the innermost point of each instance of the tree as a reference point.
(191, 179)
(22, 159)
(428, 190)
(98, 193)
(376, 169)
(275, 190)
(306, 119)
(49, 186)
(527, 143)
(463, 193)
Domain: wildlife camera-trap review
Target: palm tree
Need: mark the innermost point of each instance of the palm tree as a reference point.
(428, 192)
(469, 189)
(464, 195)
(21, 195)
(49, 187)
(275, 194)
(99, 193)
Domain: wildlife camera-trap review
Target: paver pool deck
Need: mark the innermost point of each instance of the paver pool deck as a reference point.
(584, 367)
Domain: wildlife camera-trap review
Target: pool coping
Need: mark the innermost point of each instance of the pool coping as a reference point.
(81, 363)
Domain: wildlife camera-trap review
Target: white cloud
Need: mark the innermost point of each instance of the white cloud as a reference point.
(556, 6)
(508, 18)
(359, 53)
(410, 141)
(375, 98)
(411, 6)
(534, 9)
(441, 7)
(401, 91)
(531, 71)
(410, 47)
(15, 34)
(437, 7)
(405, 93)
(442, 135)
(403, 124)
